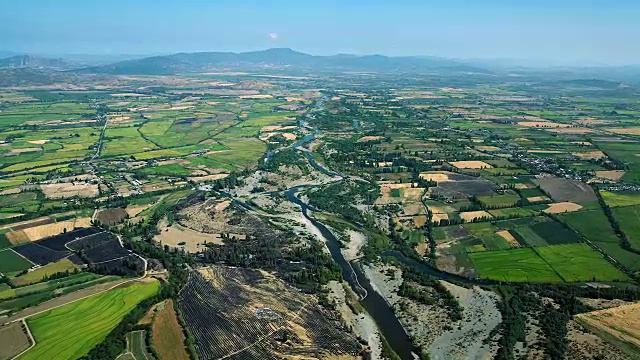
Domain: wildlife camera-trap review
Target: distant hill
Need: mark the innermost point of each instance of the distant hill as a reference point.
(594, 83)
(279, 58)
(27, 61)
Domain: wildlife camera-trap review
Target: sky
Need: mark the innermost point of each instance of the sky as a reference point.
(555, 31)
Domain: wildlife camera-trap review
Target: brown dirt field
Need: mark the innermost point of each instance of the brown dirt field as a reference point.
(505, 234)
(17, 237)
(83, 222)
(421, 248)
(545, 124)
(413, 209)
(111, 216)
(148, 317)
(593, 122)
(538, 199)
(289, 136)
(562, 190)
(24, 150)
(621, 322)
(168, 337)
(625, 131)
(208, 177)
(590, 155)
(13, 340)
(437, 217)
(412, 193)
(562, 207)
(43, 231)
(10, 191)
(38, 142)
(470, 215)
(523, 186)
(576, 130)
(420, 221)
(369, 138)
(613, 175)
(436, 176)
(194, 240)
(135, 210)
(471, 164)
(67, 190)
(488, 148)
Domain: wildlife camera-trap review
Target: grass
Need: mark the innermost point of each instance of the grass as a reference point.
(66, 333)
(579, 262)
(526, 235)
(554, 233)
(11, 262)
(592, 224)
(38, 274)
(628, 219)
(627, 258)
(515, 265)
(505, 200)
(487, 233)
(614, 199)
(49, 285)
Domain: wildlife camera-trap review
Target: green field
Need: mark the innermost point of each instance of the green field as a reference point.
(579, 262)
(526, 235)
(11, 262)
(554, 233)
(49, 269)
(505, 200)
(515, 265)
(71, 331)
(628, 219)
(614, 199)
(137, 345)
(592, 224)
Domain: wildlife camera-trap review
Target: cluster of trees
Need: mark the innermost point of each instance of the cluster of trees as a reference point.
(339, 197)
(442, 294)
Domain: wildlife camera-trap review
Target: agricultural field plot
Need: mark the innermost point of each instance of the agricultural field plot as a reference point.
(167, 334)
(12, 262)
(618, 325)
(579, 262)
(38, 274)
(64, 333)
(111, 216)
(136, 345)
(499, 201)
(562, 190)
(592, 224)
(516, 265)
(13, 340)
(614, 199)
(233, 310)
(628, 218)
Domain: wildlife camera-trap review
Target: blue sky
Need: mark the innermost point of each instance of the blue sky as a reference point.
(562, 31)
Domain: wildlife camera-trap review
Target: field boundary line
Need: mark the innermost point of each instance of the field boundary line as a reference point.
(22, 256)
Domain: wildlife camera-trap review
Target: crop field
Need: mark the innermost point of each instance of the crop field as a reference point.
(64, 333)
(618, 325)
(11, 262)
(136, 345)
(239, 312)
(579, 262)
(516, 265)
(38, 274)
(13, 340)
(628, 218)
(506, 200)
(592, 224)
(614, 199)
(168, 336)
(562, 190)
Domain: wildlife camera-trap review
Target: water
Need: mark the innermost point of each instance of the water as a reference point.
(373, 302)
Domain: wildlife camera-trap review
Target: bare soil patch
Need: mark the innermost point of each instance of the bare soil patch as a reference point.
(613, 175)
(488, 148)
(111, 216)
(13, 340)
(436, 176)
(39, 142)
(179, 237)
(420, 221)
(168, 337)
(68, 190)
(562, 207)
(369, 138)
(17, 237)
(208, 177)
(505, 234)
(471, 164)
(535, 199)
(562, 190)
(625, 131)
(618, 324)
(572, 130)
(470, 215)
(590, 155)
(40, 232)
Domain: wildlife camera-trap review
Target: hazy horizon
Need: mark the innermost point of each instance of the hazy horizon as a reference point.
(544, 32)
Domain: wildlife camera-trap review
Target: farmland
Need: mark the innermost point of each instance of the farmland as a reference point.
(262, 308)
(523, 186)
(64, 333)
